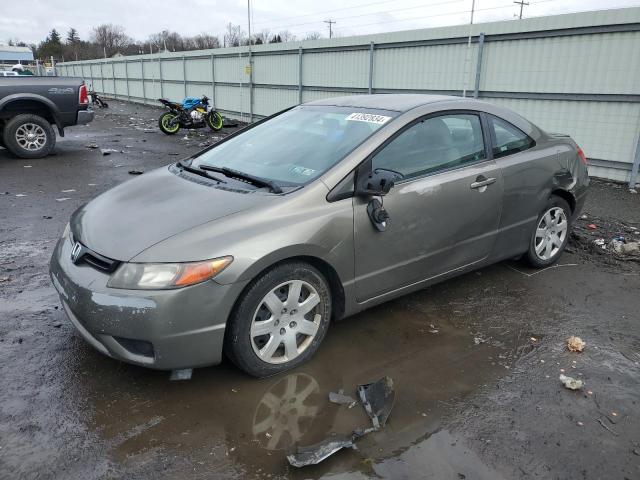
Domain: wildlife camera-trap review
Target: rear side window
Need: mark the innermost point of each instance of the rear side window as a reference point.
(434, 144)
(509, 139)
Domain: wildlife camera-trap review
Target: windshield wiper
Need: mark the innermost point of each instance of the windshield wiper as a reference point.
(257, 181)
(198, 171)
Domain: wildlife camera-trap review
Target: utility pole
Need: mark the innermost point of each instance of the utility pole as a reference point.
(466, 56)
(522, 3)
(250, 64)
(330, 22)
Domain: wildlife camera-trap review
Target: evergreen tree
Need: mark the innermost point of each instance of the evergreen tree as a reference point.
(72, 36)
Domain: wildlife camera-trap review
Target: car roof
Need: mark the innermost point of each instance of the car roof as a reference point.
(399, 102)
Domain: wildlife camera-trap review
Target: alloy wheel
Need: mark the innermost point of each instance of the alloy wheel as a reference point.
(551, 233)
(286, 322)
(31, 136)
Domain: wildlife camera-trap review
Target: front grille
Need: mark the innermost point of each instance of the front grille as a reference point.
(100, 263)
(91, 258)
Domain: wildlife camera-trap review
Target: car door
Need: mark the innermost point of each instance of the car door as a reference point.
(444, 212)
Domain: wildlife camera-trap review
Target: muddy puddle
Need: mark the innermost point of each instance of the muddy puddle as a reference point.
(222, 421)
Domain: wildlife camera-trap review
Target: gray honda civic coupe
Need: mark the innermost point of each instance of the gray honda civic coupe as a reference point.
(253, 246)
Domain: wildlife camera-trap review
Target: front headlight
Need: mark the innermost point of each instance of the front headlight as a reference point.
(158, 276)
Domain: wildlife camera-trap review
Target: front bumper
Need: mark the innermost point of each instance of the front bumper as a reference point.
(184, 326)
(85, 116)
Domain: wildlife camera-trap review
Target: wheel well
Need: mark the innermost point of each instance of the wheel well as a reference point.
(567, 196)
(337, 292)
(34, 107)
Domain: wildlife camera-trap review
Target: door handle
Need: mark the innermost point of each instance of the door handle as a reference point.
(482, 183)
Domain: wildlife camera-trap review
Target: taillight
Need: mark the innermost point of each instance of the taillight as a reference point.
(83, 97)
(582, 156)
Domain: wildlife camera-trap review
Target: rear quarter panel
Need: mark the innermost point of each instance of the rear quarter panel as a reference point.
(530, 178)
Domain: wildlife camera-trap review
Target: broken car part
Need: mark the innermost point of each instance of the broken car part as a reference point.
(341, 399)
(314, 454)
(377, 399)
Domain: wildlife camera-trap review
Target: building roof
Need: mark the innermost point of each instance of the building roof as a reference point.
(15, 54)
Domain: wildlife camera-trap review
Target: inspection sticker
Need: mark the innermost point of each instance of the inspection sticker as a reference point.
(369, 118)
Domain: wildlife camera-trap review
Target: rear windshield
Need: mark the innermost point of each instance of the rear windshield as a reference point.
(299, 145)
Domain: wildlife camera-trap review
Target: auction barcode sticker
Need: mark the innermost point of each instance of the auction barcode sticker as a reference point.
(369, 118)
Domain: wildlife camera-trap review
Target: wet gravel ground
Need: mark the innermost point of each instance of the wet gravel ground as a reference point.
(475, 360)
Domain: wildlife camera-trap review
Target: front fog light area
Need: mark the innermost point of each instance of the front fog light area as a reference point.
(158, 276)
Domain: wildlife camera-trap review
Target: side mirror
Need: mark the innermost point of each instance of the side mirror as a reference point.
(379, 182)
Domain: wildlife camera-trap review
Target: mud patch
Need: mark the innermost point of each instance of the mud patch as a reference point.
(601, 239)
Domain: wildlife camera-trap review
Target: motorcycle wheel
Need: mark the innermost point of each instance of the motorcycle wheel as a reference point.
(165, 126)
(214, 121)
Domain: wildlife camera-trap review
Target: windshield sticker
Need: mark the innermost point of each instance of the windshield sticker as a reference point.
(369, 118)
(307, 172)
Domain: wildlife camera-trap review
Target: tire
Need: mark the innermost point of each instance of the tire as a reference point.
(163, 124)
(551, 234)
(17, 139)
(273, 352)
(214, 121)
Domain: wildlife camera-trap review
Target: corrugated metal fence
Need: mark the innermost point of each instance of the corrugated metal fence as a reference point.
(576, 73)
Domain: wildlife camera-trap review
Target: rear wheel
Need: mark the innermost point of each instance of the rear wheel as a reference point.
(551, 234)
(166, 125)
(214, 121)
(280, 320)
(29, 136)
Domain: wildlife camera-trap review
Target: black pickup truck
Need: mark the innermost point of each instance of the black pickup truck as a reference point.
(31, 106)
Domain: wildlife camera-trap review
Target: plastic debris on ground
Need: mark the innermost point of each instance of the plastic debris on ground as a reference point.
(182, 374)
(341, 399)
(570, 382)
(575, 344)
(592, 226)
(135, 172)
(377, 399)
(108, 151)
(314, 454)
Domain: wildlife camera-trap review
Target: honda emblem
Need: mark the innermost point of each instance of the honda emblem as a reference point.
(75, 252)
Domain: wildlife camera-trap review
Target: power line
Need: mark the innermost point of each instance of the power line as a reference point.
(522, 3)
(333, 10)
(460, 12)
(330, 22)
(447, 2)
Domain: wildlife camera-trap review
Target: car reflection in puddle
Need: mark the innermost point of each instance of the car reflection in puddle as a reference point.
(286, 411)
(223, 421)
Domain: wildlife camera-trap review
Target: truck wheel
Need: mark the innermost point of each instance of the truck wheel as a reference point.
(29, 136)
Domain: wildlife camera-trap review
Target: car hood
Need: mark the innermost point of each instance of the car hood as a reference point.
(137, 214)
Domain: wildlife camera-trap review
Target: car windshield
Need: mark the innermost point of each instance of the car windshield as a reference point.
(297, 146)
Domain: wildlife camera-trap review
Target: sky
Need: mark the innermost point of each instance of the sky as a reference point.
(31, 20)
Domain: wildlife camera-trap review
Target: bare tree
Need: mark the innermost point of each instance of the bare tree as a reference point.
(172, 41)
(203, 41)
(286, 36)
(262, 37)
(312, 36)
(110, 38)
(234, 35)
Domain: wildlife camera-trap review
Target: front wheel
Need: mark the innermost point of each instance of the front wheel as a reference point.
(280, 320)
(214, 121)
(551, 234)
(166, 125)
